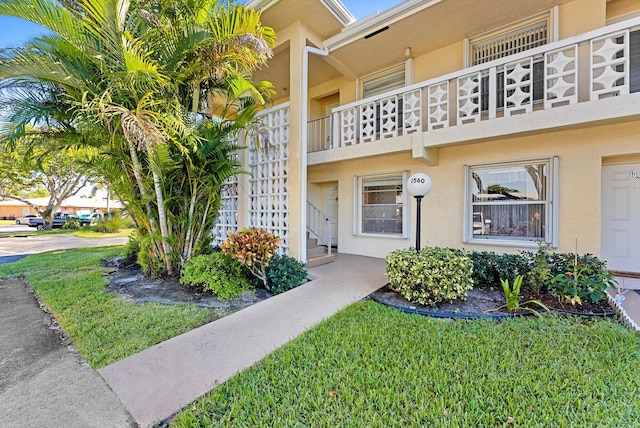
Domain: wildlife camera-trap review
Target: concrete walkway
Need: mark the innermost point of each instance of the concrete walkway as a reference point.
(161, 380)
(627, 301)
(43, 381)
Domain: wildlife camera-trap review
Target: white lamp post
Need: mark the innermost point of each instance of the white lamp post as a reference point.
(418, 185)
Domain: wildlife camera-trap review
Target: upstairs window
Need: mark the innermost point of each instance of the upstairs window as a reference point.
(509, 42)
(383, 81)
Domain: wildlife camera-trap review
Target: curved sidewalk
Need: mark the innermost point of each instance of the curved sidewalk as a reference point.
(158, 382)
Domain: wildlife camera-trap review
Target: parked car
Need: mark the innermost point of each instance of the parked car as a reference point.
(92, 218)
(79, 219)
(38, 223)
(58, 221)
(481, 226)
(25, 219)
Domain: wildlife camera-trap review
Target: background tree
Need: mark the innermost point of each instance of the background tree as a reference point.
(136, 82)
(25, 169)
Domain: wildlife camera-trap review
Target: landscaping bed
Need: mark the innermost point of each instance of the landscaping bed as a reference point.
(130, 284)
(444, 282)
(488, 303)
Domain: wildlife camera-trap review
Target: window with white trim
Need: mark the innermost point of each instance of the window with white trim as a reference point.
(501, 42)
(509, 42)
(383, 81)
(511, 203)
(528, 33)
(381, 202)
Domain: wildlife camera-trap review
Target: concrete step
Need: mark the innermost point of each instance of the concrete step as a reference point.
(321, 260)
(316, 251)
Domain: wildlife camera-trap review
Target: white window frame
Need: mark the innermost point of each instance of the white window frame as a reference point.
(358, 183)
(623, 17)
(551, 206)
(551, 16)
(406, 66)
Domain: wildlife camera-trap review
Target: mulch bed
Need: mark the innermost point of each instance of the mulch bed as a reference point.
(484, 303)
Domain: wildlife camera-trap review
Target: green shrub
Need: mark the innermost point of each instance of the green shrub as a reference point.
(139, 250)
(539, 269)
(579, 278)
(109, 225)
(71, 224)
(217, 272)
(133, 246)
(489, 268)
(254, 248)
(285, 273)
(430, 276)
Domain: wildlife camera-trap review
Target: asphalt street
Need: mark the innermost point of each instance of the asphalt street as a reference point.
(14, 248)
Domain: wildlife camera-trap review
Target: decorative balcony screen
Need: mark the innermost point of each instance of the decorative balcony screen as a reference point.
(269, 181)
(228, 215)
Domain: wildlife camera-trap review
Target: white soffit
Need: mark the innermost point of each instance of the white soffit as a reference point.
(336, 8)
(369, 25)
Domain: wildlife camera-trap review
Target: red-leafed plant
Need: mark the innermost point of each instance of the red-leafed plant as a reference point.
(253, 248)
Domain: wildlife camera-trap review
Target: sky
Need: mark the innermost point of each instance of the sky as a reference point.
(14, 32)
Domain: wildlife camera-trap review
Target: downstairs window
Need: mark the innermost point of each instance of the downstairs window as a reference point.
(380, 205)
(511, 203)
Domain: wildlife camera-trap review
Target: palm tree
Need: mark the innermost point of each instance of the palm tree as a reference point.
(133, 79)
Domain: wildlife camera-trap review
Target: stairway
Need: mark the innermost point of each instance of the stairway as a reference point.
(318, 234)
(318, 254)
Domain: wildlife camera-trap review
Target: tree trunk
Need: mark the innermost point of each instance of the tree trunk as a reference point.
(162, 219)
(137, 167)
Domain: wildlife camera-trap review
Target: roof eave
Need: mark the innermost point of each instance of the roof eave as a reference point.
(375, 22)
(337, 9)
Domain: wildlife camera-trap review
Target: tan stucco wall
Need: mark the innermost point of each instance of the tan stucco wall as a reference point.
(580, 153)
(439, 62)
(318, 106)
(581, 16)
(621, 7)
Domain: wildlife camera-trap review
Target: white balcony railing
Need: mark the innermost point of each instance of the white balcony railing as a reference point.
(542, 78)
(319, 134)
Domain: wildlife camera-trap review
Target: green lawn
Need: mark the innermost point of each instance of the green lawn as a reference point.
(88, 232)
(103, 328)
(369, 365)
(372, 366)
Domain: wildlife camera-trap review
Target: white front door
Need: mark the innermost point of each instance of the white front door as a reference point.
(331, 210)
(621, 217)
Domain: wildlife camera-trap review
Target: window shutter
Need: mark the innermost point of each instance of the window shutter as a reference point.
(510, 43)
(634, 61)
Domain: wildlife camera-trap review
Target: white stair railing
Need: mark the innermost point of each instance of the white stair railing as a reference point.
(319, 225)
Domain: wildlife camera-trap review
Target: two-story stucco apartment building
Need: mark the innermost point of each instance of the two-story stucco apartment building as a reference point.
(525, 114)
